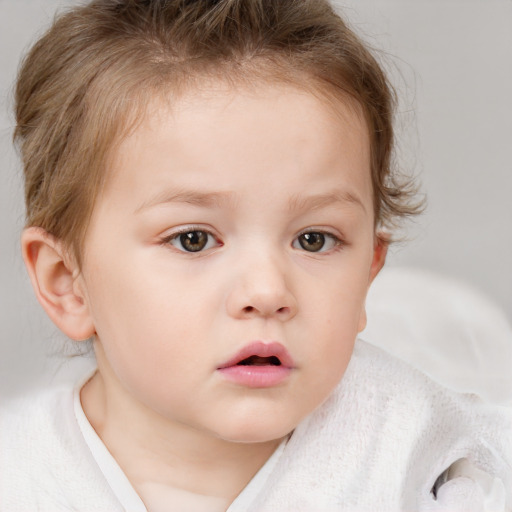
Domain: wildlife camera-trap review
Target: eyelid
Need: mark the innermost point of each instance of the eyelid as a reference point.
(324, 231)
(166, 239)
(337, 238)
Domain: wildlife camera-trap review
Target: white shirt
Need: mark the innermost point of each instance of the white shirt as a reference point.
(130, 500)
(383, 441)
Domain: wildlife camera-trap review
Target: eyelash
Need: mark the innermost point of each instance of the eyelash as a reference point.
(335, 242)
(176, 235)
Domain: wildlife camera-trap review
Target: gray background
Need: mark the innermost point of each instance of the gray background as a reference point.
(452, 63)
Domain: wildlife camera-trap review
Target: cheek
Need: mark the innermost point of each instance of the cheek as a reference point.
(143, 292)
(147, 316)
(333, 319)
(341, 301)
(150, 342)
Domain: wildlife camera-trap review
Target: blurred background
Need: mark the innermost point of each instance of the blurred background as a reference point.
(451, 62)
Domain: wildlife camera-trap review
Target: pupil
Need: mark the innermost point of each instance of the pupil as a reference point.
(312, 242)
(194, 241)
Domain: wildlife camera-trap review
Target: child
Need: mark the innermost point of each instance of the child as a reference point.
(208, 193)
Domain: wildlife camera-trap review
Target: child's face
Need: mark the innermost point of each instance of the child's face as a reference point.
(238, 219)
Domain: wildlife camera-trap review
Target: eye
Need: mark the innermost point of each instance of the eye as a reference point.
(194, 240)
(316, 241)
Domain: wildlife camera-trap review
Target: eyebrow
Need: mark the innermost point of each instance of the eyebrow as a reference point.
(297, 202)
(192, 197)
(318, 201)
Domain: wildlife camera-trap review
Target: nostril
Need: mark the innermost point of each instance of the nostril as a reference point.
(251, 310)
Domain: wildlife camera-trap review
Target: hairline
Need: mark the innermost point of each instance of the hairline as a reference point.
(252, 74)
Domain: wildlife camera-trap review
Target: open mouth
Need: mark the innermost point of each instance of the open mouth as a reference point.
(259, 354)
(259, 365)
(260, 361)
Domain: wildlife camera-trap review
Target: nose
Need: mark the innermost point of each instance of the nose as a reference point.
(260, 289)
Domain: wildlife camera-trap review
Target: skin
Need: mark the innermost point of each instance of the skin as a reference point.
(254, 169)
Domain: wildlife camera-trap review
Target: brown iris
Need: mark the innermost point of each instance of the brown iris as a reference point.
(194, 241)
(312, 242)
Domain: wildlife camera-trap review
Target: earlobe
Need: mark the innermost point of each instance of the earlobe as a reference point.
(54, 279)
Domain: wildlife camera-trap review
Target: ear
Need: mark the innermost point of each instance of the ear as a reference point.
(380, 250)
(57, 283)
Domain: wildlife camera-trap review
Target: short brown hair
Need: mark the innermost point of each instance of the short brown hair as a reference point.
(88, 79)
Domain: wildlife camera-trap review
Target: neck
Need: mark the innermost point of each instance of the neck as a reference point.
(154, 452)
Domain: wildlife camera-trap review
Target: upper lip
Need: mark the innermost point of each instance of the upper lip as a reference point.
(261, 349)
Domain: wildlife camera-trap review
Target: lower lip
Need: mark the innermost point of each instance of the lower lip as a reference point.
(256, 376)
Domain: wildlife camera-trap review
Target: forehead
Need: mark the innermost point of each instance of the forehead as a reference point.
(269, 130)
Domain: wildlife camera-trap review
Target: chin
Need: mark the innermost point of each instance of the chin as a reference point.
(257, 430)
(257, 437)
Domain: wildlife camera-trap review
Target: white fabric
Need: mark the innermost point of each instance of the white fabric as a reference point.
(379, 443)
(114, 475)
(121, 486)
(45, 464)
(260, 480)
(443, 327)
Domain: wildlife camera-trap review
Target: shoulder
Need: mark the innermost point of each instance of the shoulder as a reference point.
(35, 423)
(404, 390)
(375, 373)
(385, 436)
(426, 427)
(44, 462)
(444, 423)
